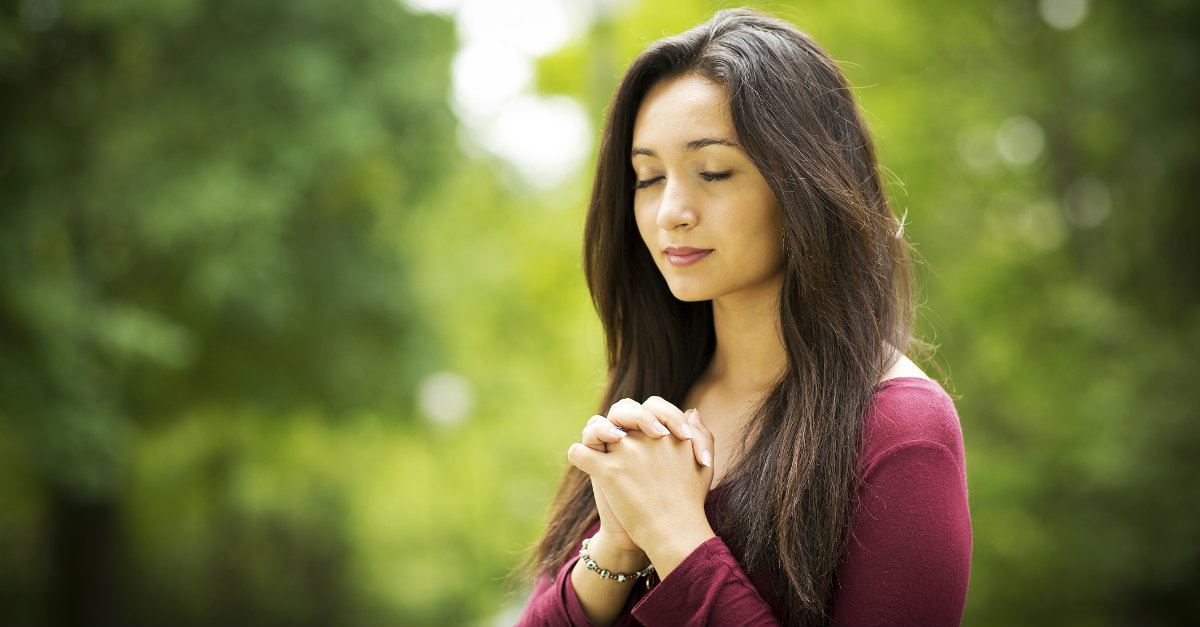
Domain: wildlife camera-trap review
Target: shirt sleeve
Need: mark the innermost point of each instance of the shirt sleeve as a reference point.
(708, 587)
(553, 601)
(908, 557)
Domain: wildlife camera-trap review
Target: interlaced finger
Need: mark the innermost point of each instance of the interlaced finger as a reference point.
(630, 414)
(600, 431)
(670, 415)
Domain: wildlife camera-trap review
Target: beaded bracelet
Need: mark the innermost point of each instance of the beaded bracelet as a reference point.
(607, 574)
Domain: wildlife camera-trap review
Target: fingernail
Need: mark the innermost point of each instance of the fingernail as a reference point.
(706, 457)
(662, 429)
(617, 432)
(686, 430)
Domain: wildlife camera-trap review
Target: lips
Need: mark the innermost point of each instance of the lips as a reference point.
(685, 255)
(684, 250)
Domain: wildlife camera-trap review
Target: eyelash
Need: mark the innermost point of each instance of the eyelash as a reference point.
(708, 176)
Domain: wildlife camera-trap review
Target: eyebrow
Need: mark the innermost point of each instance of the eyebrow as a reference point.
(695, 144)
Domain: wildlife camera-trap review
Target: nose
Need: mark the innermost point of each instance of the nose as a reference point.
(675, 208)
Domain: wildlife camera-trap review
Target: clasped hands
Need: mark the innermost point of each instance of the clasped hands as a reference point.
(651, 470)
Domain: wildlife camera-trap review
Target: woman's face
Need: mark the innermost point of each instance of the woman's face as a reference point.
(698, 193)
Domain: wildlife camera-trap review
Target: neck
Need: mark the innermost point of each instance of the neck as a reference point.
(749, 356)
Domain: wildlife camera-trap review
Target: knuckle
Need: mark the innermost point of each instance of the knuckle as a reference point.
(621, 423)
(666, 408)
(621, 419)
(625, 402)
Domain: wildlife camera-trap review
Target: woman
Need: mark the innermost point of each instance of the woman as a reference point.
(746, 264)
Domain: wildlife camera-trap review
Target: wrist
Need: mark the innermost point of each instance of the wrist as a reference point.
(619, 543)
(615, 556)
(676, 545)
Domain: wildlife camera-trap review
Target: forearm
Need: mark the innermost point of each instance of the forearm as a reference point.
(603, 599)
(672, 549)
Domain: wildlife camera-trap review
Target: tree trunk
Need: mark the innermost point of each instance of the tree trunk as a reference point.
(82, 540)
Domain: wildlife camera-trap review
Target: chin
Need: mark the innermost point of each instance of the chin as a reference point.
(690, 291)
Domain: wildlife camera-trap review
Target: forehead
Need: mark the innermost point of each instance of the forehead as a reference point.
(678, 109)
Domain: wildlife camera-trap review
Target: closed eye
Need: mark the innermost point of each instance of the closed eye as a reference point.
(707, 176)
(715, 176)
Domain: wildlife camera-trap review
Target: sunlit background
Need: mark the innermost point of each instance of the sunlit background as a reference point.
(293, 329)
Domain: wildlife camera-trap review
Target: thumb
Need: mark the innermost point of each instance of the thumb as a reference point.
(584, 458)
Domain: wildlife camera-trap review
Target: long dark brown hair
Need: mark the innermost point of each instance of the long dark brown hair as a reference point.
(846, 300)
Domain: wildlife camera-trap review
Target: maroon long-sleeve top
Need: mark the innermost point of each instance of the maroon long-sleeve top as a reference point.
(907, 561)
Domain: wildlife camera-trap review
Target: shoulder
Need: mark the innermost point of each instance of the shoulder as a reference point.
(910, 411)
(907, 559)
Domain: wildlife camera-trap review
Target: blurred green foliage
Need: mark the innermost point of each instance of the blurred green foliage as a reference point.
(237, 237)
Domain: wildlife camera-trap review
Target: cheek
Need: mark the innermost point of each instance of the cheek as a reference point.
(643, 225)
(646, 228)
(758, 240)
